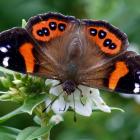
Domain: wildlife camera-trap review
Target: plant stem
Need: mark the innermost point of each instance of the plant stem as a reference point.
(44, 122)
(46, 137)
(44, 117)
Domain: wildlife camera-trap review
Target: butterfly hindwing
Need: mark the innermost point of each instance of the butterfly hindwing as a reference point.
(120, 74)
(129, 82)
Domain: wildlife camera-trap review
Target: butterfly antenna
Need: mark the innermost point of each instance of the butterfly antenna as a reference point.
(57, 85)
(75, 119)
(50, 104)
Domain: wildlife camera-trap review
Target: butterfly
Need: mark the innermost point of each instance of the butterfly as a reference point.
(75, 52)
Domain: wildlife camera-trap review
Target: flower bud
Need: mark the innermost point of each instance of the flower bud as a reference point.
(56, 119)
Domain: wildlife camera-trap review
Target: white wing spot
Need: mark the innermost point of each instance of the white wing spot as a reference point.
(138, 72)
(3, 49)
(8, 46)
(137, 88)
(137, 85)
(5, 61)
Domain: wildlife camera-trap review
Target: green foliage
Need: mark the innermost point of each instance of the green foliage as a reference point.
(30, 93)
(8, 133)
(30, 133)
(27, 107)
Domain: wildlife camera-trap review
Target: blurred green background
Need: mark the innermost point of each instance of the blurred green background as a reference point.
(124, 14)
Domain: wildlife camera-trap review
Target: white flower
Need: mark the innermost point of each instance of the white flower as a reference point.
(56, 119)
(83, 105)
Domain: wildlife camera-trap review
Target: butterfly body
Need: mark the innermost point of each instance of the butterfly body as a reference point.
(75, 52)
(69, 86)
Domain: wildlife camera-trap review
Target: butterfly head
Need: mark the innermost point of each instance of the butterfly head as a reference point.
(69, 86)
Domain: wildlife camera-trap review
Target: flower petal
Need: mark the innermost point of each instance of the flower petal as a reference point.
(137, 98)
(84, 89)
(79, 107)
(56, 119)
(85, 110)
(60, 106)
(56, 90)
(99, 101)
(48, 102)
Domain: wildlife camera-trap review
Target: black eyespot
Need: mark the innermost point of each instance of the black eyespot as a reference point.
(61, 26)
(46, 31)
(93, 31)
(53, 25)
(40, 32)
(112, 46)
(107, 42)
(102, 34)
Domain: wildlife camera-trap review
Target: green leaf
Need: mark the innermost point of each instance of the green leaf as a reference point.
(27, 107)
(32, 102)
(4, 136)
(10, 130)
(8, 133)
(33, 132)
(4, 70)
(10, 115)
(37, 120)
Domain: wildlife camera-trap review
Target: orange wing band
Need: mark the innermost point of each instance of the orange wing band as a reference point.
(26, 51)
(120, 71)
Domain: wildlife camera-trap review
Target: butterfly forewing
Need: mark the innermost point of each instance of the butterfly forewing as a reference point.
(16, 51)
(56, 36)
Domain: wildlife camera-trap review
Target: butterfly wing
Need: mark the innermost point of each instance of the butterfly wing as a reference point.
(107, 63)
(41, 48)
(93, 53)
(16, 50)
(55, 35)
